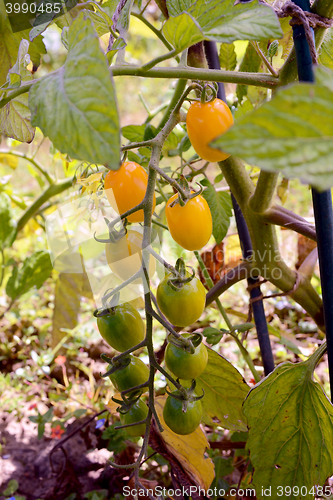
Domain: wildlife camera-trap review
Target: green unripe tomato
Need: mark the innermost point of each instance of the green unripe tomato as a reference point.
(182, 422)
(122, 328)
(184, 306)
(139, 411)
(185, 365)
(135, 373)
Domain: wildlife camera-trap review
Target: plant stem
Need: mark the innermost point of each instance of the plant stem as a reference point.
(190, 73)
(157, 32)
(164, 57)
(243, 350)
(264, 59)
(33, 162)
(179, 89)
(264, 192)
(52, 190)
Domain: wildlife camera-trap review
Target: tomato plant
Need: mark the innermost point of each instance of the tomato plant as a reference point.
(126, 188)
(172, 130)
(205, 122)
(180, 421)
(121, 327)
(190, 225)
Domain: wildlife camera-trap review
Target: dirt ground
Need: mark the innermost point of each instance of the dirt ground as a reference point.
(73, 470)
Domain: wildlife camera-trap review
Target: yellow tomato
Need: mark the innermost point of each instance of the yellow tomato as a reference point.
(205, 122)
(128, 185)
(124, 257)
(190, 226)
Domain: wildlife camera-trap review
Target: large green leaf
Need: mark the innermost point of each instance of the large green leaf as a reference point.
(15, 116)
(36, 269)
(290, 423)
(225, 390)
(292, 134)
(222, 21)
(76, 105)
(221, 209)
(7, 225)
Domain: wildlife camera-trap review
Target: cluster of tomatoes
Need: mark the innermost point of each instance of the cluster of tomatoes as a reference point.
(180, 296)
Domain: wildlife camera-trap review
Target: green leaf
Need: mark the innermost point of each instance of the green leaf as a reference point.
(133, 133)
(11, 487)
(116, 438)
(326, 51)
(41, 430)
(15, 116)
(291, 134)
(36, 50)
(182, 31)
(228, 58)
(9, 45)
(47, 417)
(101, 21)
(290, 423)
(221, 208)
(225, 390)
(176, 7)
(75, 106)
(36, 269)
(118, 45)
(213, 335)
(222, 21)
(7, 224)
(250, 64)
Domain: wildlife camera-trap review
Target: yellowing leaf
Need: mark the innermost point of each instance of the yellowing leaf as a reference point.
(112, 406)
(189, 450)
(225, 390)
(9, 160)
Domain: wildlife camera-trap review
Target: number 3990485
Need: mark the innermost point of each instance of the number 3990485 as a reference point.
(32, 8)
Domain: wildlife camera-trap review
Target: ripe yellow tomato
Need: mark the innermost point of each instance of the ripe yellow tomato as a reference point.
(125, 256)
(190, 226)
(128, 185)
(205, 122)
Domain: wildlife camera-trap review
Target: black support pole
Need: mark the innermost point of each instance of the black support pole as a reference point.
(322, 202)
(245, 241)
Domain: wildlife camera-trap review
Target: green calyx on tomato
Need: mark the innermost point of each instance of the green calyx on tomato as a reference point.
(130, 372)
(183, 364)
(121, 326)
(181, 415)
(137, 413)
(181, 298)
